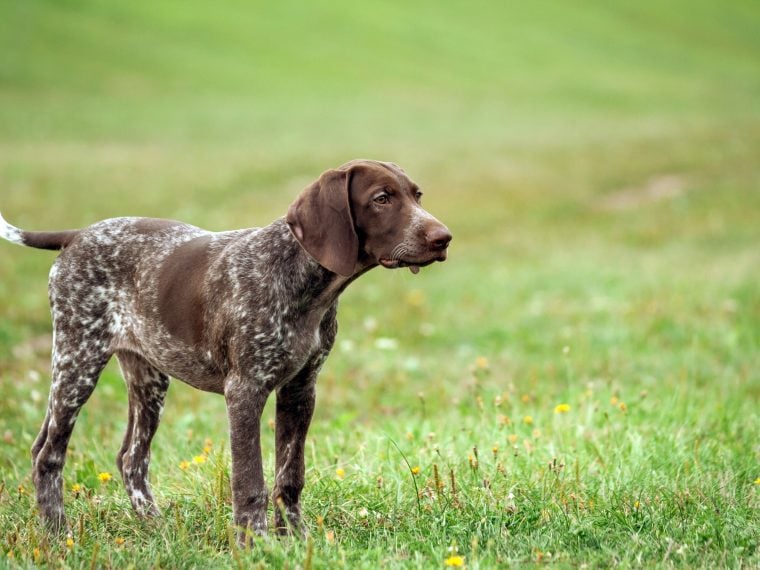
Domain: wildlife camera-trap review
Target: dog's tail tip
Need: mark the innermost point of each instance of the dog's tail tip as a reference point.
(11, 233)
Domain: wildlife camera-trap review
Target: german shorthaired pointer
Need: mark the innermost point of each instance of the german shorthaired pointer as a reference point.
(240, 313)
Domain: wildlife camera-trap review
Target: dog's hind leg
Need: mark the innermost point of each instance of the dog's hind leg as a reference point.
(147, 388)
(78, 360)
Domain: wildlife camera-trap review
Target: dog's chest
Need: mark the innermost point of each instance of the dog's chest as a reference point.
(283, 343)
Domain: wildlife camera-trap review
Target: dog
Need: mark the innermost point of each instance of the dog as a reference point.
(241, 313)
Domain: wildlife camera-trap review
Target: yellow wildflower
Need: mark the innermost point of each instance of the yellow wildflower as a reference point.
(330, 536)
(623, 407)
(105, 477)
(69, 542)
(119, 541)
(481, 363)
(36, 554)
(416, 470)
(562, 408)
(199, 459)
(614, 401)
(340, 473)
(512, 438)
(455, 560)
(409, 436)
(525, 398)
(636, 504)
(528, 420)
(757, 481)
(76, 488)
(21, 490)
(184, 464)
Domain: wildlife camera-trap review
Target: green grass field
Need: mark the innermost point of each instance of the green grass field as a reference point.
(578, 385)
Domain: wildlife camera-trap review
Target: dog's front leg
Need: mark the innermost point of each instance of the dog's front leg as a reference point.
(295, 406)
(245, 403)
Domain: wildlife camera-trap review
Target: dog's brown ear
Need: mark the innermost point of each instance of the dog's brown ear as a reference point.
(321, 220)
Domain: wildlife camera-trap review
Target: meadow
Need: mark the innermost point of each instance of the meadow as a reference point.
(577, 385)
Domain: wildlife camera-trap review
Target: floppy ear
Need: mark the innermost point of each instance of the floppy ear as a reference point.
(321, 220)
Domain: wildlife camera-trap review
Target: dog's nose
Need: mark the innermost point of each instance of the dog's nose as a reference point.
(438, 239)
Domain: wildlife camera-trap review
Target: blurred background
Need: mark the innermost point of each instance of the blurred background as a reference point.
(597, 163)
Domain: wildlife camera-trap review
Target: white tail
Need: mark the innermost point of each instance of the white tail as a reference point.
(9, 232)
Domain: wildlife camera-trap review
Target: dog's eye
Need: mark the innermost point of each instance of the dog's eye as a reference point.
(383, 198)
(418, 196)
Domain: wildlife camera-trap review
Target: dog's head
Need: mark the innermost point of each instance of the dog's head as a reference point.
(367, 213)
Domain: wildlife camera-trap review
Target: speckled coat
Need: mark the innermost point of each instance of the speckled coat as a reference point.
(241, 313)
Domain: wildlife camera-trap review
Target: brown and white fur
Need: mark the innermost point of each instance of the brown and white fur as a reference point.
(241, 313)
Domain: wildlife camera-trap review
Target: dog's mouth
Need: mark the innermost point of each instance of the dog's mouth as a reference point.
(413, 265)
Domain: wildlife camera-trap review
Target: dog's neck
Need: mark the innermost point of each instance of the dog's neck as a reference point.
(309, 284)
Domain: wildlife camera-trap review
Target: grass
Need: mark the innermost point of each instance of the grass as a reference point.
(597, 164)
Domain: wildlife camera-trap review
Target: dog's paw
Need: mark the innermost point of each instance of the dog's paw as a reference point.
(248, 531)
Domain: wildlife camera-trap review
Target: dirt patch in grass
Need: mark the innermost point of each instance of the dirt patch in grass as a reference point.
(658, 188)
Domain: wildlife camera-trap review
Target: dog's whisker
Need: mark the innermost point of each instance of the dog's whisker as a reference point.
(399, 252)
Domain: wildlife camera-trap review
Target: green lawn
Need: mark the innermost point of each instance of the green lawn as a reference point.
(599, 166)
